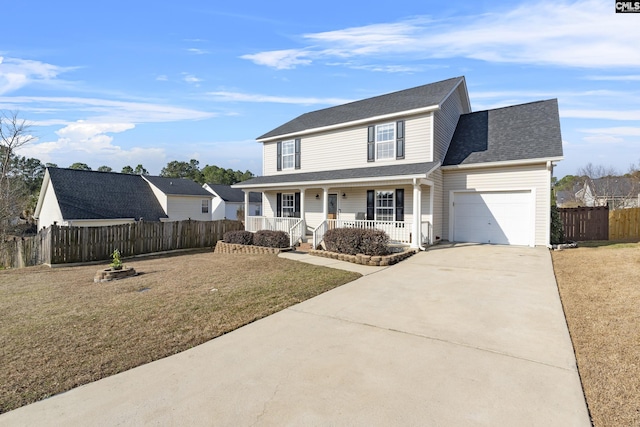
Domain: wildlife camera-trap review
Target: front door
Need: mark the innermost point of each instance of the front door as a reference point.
(333, 206)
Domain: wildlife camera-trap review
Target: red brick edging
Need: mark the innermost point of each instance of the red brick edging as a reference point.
(365, 259)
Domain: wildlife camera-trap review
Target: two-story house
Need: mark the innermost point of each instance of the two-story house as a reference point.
(416, 163)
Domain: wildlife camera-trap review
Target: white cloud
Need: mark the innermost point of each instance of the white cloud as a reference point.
(619, 131)
(16, 73)
(563, 33)
(197, 51)
(248, 97)
(603, 139)
(109, 111)
(191, 79)
(162, 78)
(601, 114)
(280, 59)
(628, 78)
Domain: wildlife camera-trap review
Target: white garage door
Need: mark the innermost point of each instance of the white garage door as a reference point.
(493, 217)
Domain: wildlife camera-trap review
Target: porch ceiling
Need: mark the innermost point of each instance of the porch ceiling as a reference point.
(342, 177)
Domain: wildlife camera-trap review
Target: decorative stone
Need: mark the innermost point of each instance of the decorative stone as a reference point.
(109, 274)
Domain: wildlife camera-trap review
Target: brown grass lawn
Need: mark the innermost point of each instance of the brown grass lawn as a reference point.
(59, 330)
(600, 291)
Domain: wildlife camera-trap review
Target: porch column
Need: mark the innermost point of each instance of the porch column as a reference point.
(246, 209)
(325, 203)
(302, 203)
(417, 215)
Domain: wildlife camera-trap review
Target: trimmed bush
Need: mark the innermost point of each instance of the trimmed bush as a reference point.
(271, 239)
(239, 237)
(557, 228)
(355, 241)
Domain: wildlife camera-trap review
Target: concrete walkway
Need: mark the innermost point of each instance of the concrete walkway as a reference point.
(455, 336)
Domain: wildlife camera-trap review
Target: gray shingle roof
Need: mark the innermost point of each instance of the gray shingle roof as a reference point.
(104, 195)
(615, 186)
(333, 175)
(234, 195)
(177, 186)
(408, 99)
(519, 132)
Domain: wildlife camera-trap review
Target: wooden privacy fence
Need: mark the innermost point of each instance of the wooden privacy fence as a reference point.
(624, 224)
(585, 223)
(59, 245)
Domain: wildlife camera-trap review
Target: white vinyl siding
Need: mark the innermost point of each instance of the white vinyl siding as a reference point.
(533, 177)
(50, 210)
(347, 148)
(184, 207)
(446, 120)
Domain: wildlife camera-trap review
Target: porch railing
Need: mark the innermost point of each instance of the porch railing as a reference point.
(398, 231)
(296, 227)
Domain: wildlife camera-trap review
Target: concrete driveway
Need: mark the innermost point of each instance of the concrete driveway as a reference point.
(455, 336)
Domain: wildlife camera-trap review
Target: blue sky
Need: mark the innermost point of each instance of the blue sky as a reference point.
(120, 83)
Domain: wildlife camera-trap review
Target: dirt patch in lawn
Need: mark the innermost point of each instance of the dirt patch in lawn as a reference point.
(59, 329)
(600, 291)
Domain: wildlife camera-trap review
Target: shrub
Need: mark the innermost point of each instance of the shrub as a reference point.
(239, 237)
(355, 241)
(271, 239)
(557, 228)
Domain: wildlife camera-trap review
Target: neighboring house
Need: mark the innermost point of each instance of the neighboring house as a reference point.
(88, 198)
(416, 163)
(228, 202)
(181, 198)
(616, 192)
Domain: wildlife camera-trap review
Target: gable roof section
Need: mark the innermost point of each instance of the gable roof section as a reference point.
(615, 186)
(177, 186)
(381, 172)
(519, 132)
(234, 195)
(409, 99)
(103, 195)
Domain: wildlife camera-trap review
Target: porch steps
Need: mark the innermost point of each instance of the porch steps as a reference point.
(304, 247)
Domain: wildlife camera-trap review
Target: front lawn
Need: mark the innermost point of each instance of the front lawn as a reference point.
(600, 290)
(59, 329)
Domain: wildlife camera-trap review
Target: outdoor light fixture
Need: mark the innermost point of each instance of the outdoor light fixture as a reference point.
(317, 196)
(344, 195)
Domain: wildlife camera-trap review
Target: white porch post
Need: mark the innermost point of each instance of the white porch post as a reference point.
(246, 209)
(325, 203)
(431, 216)
(302, 204)
(417, 215)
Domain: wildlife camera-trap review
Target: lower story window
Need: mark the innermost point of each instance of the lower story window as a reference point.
(384, 206)
(288, 205)
(205, 206)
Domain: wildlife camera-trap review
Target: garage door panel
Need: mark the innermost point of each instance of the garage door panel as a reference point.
(493, 217)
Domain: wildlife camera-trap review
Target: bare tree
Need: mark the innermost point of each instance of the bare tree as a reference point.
(14, 133)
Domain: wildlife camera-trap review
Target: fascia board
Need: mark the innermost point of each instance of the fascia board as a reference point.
(503, 164)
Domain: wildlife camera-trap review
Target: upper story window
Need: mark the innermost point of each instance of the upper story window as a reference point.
(288, 154)
(385, 141)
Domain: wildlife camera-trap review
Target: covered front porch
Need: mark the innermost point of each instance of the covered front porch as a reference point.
(403, 208)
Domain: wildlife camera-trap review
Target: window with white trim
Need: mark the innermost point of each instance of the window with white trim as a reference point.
(384, 206)
(288, 204)
(288, 154)
(385, 141)
(205, 206)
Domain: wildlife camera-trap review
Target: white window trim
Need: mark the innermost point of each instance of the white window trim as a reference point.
(292, 207)
(392, 141)
(205, 206)
(392, 207)
(291, 156)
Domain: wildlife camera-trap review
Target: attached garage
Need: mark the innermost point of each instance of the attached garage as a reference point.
(498, 217)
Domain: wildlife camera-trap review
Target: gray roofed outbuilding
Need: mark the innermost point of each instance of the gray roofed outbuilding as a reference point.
(519, 132)
(177, 186)
(104, 195)
(409, 99)
(234, 195)
(342, 174)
